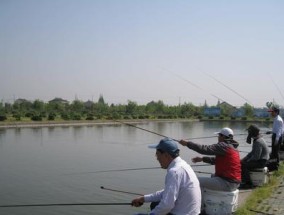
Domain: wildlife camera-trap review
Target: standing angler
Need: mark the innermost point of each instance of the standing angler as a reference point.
(181, 194)
(277, 130)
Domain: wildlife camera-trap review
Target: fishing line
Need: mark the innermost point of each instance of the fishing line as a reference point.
(228, 88)
(196, 86)
(61, 204)
(277, 87)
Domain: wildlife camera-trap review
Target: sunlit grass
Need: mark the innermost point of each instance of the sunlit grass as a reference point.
(261, 193)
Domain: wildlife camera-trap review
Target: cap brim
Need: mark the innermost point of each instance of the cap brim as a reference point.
(152, 146)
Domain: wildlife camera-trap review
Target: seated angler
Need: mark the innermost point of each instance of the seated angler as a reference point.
(226, 158)
(257, 158)
(181, 194)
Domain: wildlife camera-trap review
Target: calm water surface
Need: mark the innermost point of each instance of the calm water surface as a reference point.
(60, 164)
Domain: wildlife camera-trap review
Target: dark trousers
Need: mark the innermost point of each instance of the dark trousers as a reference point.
(275, 148)
(249, 166)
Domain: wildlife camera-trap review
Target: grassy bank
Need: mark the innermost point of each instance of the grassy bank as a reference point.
(261, 193)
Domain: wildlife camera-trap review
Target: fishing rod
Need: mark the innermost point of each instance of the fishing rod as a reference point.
(134, 126)
(203, 172)
(191, 138)
(121, 191)
(130, 169)
(61, 204)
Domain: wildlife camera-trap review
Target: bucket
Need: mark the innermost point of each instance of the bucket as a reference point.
(259, 176)
(220, 202)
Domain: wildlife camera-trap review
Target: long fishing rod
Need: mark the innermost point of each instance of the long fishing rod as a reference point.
(191, 138)
(60, 204)
(203, 172)
(130, 169)
(134, 126)
(121, 191)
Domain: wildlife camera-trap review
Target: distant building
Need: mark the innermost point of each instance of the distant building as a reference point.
(238, 113)
(261, 113)
(21, 101)
(227, 109)
(58, 100)
(88, 104)
(212, 111)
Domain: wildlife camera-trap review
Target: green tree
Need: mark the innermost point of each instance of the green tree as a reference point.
(248, 110)
(101, 100)
(131, 108)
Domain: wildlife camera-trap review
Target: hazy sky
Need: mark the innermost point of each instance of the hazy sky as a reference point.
(143, 50)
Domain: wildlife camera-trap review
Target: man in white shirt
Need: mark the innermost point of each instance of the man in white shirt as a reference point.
(277, 131)
(181, 194)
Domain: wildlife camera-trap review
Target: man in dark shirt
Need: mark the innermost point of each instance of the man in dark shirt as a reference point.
(258, 156)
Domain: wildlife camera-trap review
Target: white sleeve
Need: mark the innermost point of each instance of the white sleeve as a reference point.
(170, 194)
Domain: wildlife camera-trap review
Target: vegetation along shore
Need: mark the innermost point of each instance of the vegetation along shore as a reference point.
(60, 112)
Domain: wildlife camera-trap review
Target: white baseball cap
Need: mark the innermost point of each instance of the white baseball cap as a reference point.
(226, 132)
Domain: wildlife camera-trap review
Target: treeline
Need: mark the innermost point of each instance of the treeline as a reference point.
(59, 109)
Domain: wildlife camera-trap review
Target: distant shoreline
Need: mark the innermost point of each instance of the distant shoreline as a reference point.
(84, 123)
(32, 124)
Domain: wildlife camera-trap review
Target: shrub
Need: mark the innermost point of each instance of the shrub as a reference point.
(3, 117)
(36, 118)
(51, 116)
(65, 116)
(17, 116)
(76, 116)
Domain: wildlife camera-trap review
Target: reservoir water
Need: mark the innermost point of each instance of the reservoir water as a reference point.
(63, 164)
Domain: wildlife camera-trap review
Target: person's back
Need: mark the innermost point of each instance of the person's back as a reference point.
(189, 199)
(260, 150)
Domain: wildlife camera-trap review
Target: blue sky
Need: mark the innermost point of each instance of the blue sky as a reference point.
(175, 51)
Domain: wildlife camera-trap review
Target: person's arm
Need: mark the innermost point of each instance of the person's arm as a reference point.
(214, 149)
(170, 194)
(154, 197)
(138, 201)
(209, 160)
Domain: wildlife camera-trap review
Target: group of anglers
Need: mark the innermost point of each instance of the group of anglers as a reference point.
(182, 193)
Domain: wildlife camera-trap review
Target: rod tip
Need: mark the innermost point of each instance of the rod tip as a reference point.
(102, 187)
